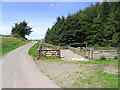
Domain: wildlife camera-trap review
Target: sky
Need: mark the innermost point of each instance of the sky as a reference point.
(39, 15)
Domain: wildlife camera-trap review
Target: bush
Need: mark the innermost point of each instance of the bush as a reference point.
(103, 58)
(96, 45)
(116, 57)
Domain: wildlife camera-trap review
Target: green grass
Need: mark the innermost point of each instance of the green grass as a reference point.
(97, 79)
(111, 80)
(88, 62)
(33, 50)
(11, 43)
(52, 59)
(76, 84)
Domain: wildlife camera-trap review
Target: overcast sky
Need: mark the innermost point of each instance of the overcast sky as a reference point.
(39, 15)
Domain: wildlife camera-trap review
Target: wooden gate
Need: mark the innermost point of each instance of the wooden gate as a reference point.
(47, 52)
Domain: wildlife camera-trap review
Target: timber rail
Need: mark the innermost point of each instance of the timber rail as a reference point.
(47, 52)
(91, 53)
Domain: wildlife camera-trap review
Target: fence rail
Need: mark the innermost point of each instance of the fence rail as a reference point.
(85, 52)
(106, 53)
(90, 53)
(47, 52)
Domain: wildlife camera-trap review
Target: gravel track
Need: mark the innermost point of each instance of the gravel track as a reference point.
(68, 55)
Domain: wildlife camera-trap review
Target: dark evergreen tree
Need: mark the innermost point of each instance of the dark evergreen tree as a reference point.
(21, 29)
(98, 24)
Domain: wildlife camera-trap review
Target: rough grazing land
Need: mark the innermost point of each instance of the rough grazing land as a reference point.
(11, 43)
(80, 74)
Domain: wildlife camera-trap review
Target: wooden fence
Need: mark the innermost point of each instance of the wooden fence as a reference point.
(90, 53)
(107, 53)
(47, 52)
(85, 52)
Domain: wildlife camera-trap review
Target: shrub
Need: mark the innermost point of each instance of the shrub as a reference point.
(103, 58)
(116, 57)
(96, 45)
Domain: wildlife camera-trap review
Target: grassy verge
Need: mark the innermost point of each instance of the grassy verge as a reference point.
(11, 43)
(52, 60)
(33, 50)
(115, 61)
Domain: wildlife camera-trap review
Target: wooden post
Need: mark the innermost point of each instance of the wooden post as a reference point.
(91, 53)
(38, 55)
(86, 45)
(59, 53)
(83, 52)
(118, 52)
(74, 50)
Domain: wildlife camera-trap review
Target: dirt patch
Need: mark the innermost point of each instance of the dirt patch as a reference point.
(73, 75)
(68, 55)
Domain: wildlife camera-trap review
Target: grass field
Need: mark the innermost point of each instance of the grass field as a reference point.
(33, 50)
(11, 43)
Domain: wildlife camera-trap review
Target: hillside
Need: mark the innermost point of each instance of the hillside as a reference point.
(97, 25)
(10, 43)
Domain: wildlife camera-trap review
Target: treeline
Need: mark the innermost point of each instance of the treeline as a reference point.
(98, 24)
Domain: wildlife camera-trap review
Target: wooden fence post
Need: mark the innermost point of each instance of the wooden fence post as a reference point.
(59, 53)
(38, 54)
(118, 52)
(91, 53)
(84, 52)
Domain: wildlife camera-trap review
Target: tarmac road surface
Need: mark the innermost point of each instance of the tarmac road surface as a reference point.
(20, 71)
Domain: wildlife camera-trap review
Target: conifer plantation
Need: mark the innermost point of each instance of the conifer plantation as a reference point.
(98, 24)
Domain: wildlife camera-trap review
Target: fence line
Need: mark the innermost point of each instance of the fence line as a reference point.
(85, 52)
(106, 53)
(90, 53)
